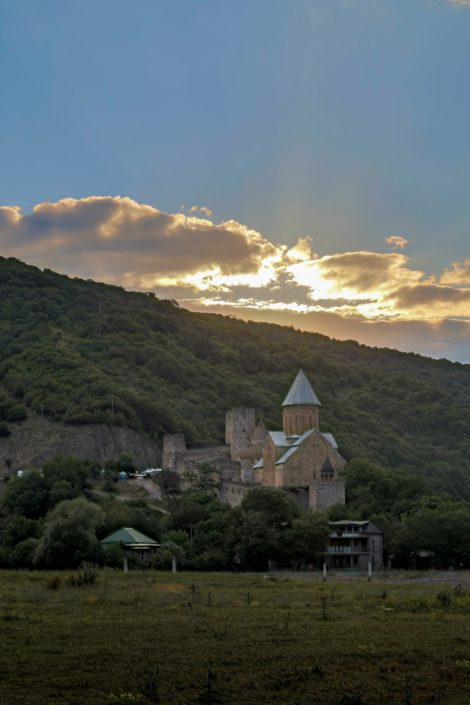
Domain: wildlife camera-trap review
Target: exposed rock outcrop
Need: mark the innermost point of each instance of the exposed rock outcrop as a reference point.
(36, 440)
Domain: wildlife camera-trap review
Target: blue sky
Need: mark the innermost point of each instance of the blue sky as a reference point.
(345, 121)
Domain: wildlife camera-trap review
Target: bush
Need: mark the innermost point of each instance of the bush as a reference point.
(444, 599)
(113, 555)
(87, 575)
(54, 583)
(22, 556)
(212, 559)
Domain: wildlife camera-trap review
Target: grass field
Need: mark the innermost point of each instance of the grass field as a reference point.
(149, 637)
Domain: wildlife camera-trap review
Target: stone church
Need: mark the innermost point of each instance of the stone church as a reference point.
(300, 459)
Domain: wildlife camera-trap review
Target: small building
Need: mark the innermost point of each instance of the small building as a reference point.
(352, 545)
(133, 541)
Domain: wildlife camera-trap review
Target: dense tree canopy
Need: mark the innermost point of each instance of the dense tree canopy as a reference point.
(40, 529)
(84, 352)
(70, 534)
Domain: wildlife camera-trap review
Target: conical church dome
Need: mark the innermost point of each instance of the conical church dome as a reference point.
(301, 393)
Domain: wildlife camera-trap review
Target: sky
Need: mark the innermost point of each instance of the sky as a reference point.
(304, 162)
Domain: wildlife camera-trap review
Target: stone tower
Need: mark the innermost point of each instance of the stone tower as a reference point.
(300, 408)
(174, 448)
(240, 424)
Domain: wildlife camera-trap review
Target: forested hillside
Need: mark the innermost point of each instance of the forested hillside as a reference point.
(83, 352)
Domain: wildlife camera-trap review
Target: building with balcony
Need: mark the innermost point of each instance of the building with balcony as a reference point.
(352, 545)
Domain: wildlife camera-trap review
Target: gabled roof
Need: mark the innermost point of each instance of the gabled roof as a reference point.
(292, 443)
(301, 393)
(279, 439)
(331, 439)
(129, 537)
(298, 440)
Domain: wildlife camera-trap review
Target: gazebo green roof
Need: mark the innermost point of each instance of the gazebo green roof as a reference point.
(129, 537)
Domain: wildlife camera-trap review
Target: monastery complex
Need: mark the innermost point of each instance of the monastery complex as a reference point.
(300, 459)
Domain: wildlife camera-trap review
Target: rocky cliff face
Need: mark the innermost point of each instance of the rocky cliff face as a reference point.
(36, 440)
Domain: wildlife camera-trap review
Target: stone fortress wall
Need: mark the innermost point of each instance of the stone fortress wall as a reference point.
(179, 459)
(311, 470)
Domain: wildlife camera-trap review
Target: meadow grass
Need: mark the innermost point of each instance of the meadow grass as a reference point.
(148, 637)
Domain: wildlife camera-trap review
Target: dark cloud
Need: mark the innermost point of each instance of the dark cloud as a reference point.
(430, 295)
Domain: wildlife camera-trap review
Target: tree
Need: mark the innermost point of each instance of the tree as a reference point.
(175, 546)
(308, 536)
(204, 478)
(250, 540)
(20, 528)
(27, 495)
(66, 469)
(62, 490)
(170, 487)
(22, 556)
(444, 534)
(145, 518)
(70, 535)
(277, 506)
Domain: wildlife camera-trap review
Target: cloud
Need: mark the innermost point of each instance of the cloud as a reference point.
(459, 3)
(397, 241)
(201, 209)
(459, 275)
(229, 266)
(360, 272)
(130, 242)
(432, 301)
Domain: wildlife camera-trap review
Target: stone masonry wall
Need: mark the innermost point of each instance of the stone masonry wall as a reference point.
(304, 466)
(323, 495)
(233, 492)
(298, 419)
(174, 447)
(240, 424)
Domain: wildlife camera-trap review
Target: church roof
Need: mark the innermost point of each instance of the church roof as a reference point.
(279, 439)
(331, 439)
(301, 392)
(292, 443)
(298, 440)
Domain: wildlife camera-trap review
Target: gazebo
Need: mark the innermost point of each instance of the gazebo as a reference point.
(133, 541)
